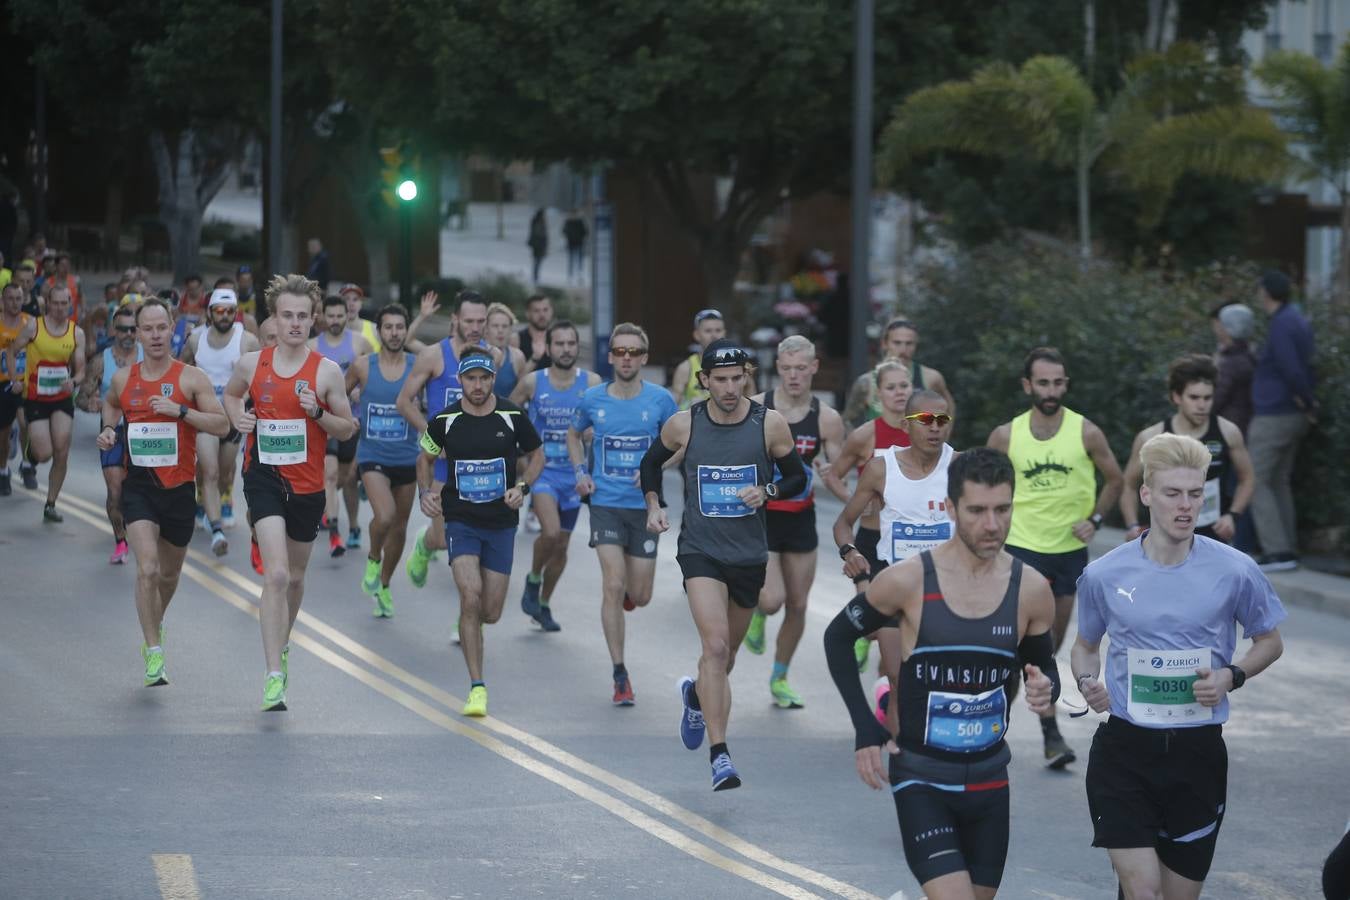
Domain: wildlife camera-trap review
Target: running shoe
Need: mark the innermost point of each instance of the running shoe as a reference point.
(1278, 562)
(861, 648)
(354, 539)
(5, 487)
(1058, 754)
(226, 512)
(724, 774)
(454, 632)
(784, 696)
(286, 662)
(384, 604)
(623, 692)
(154, 667)
(201, 518)
(881, 691)
(335, 548)
(754, 635)
(274, 694)
(691, 721)
(546, 620)
(628, 604)
(49, 514)
(220, 545)
(119, 554)
(416, 566)
(28, 473)
(532, 522)
(255, 557)
(370, 581)
(529, 599)
(476, 705)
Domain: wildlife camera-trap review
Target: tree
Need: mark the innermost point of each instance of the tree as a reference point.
(1313, 103)
(1177, 113)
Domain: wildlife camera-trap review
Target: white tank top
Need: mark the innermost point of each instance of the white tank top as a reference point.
(219, 364)
(914, 517)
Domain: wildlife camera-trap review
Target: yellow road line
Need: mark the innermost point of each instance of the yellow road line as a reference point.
(177, 879)
(610, 804)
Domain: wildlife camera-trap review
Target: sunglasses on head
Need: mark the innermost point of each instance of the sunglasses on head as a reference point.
(706, 314)
(628, 352)
(928, 418)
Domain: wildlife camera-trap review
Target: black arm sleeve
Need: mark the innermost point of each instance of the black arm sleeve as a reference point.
(793, 471)
(1039, 650)
(857, 618)
(649, 470)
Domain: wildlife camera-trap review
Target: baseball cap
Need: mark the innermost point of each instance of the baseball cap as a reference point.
(352, 288)
(222, 297)
(724, 352)
(706, 314)
(477, 361)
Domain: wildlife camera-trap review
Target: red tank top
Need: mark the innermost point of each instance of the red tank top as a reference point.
(161, 450)
(884, 437)
(286, 444)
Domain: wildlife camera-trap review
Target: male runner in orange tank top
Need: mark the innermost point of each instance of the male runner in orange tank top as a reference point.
(299, 402)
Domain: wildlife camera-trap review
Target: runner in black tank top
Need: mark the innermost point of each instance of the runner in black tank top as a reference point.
(950, 780)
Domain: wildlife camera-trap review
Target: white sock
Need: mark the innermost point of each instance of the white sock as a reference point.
(155, 649)
(275, 674)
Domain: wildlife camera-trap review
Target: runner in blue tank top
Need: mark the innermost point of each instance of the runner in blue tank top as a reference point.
(436, 373)
(386, 457)
(625, 417)
(343, 347)
(550, 397)
(500, 323)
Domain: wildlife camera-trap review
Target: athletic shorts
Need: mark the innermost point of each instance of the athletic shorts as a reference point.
(866, 541)
(562, 487)
(302, 512)
(397, 475)
(9, 405)
(792, 532)
(1162, 788)
(345, 451)
(172, 509)
(743, 582)
(117, 456)
(494, 547)
(38, 410)
(626, 528)
(953, 816)
(1061, 569)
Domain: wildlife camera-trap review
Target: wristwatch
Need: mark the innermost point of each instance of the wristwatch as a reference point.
(1096, 519)
(770, 490)
(318, 413)
(845, 550)
(1239, 677)
(182, 410)
(523, 487)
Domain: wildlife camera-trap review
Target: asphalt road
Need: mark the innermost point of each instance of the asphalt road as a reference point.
(372, 785)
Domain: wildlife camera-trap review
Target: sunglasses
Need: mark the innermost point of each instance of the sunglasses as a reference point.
(628, 352)
(124, 328)
(927, 418)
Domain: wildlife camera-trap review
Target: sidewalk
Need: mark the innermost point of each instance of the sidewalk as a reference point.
(476, 249)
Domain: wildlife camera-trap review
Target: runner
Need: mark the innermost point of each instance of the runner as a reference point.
(1157, 778)
(13, 321)
(1054, 450)
(532, 340)
(791, 522)
(685, 384)
(216, 347)
(964, 646)
(98, 376)
(342, 346)
(489, 441)
(165, 404)
(437, 371)
(1190, 384)
(550, 397)
(267, 337)
(899, 340)
(731, 445)
(353, 296)
(500, 322)
(298, 405)
(191, 310)
(387, 454)
(625, 416)
(55, 364)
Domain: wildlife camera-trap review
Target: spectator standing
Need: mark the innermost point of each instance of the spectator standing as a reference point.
(538, 240)
(1283, 409)
(320, 268)
(1232, 324)
(575, 232)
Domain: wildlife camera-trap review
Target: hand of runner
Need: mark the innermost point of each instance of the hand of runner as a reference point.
(1211, 686)
(856, 564)
(872, 765)
(1038, 690)
(513, 498)
(1225, 527)
(246, 422)
(429, 300)
(585, 486)
(163, 406)
(752, 496)
(308, 402)
(1084, 530)
(17, 385)
(656, 521)
(430, 503)
(1133, 532)
(107, 438)
(1094, 692)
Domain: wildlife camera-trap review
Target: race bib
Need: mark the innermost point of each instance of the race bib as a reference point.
(555, 445)
(966, 723)
(909, 539)
(621, 454)
(452, 395)
(1209, 507)
(718, 487)
(480, 480)
(281, 442)
(1162, 686)
(153, 444)
(51, 379)
(385, 423)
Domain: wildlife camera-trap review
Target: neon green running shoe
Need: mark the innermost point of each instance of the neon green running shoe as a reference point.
(154, 667)
(370, 581)
(286, 663)
(476, 705)
(274, 694)
(416, 566)
(384, 604)
(861, 648)
(784, 696)
(754, 635)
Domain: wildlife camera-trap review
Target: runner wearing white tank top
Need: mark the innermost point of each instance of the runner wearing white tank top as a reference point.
(914, 511)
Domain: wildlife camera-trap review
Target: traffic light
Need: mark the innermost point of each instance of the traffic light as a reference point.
(398, 173)
(407, 190)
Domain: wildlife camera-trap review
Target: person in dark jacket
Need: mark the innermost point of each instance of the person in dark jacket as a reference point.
(575, 231)
(538, 240)
(1233, 324)
(1283, 408)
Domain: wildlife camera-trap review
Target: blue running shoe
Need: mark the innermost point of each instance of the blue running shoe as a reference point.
(691, 722)
(529, 600)
(724, 774)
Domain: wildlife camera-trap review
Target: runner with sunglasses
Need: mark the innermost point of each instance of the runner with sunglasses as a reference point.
(98, 375)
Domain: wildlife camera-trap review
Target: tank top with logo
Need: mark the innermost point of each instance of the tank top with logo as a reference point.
(386, 437)
(550, 411)
(49, 363)
(444, 391)
(1056, 485)
(286, 446)
(161, 450)
(914, 514)
(806, 438)
(719, 460)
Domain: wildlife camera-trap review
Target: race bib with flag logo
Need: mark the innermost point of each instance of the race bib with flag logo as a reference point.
(909, 538)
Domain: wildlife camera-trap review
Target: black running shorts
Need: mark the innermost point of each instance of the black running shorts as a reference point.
(9, 405)
(302, 512)
(172, 509)
(743, 582)
(345, 451)
(1060, 569)
(1163, 788)
(791, 532)
(39, 410)
(397, 475)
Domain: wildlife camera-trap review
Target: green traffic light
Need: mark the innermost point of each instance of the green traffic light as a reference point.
(407, 190)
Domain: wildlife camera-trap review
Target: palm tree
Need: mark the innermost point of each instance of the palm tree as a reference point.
(1313, 103)
(1177, 113)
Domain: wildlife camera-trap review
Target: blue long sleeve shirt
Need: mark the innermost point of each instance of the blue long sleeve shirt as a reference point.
(1284, 370)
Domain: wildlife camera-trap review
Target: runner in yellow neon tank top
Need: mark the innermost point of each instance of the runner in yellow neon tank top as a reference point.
(684, 383)
(1054, 451)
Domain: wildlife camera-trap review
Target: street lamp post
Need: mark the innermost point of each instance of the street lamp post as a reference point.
(407, 193)
(860, 277)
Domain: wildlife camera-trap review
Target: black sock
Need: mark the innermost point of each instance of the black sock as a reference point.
(620, 672)
(1049, 726)
(715, 749)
